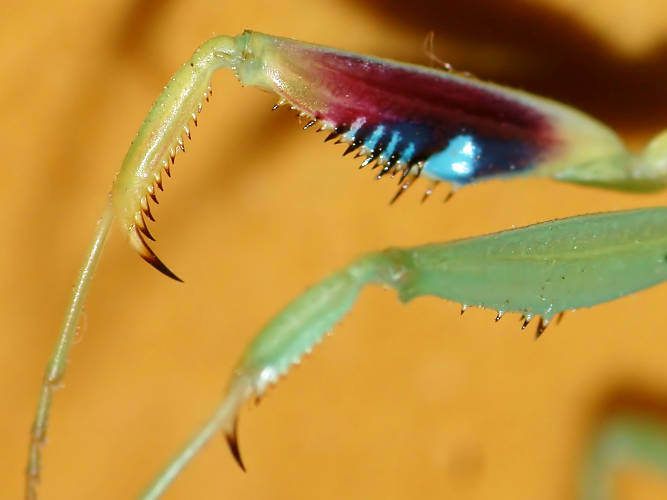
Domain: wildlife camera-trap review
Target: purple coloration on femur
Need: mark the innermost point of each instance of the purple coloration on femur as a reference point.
(410, 114)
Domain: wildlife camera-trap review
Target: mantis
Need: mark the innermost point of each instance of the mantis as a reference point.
(406, 122)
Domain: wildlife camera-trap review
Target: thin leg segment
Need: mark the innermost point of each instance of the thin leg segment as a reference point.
(55, 370)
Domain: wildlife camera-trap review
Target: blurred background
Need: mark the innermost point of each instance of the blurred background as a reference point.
(404, 401)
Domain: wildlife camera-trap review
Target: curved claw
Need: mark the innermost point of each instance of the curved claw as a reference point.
(240, 389)
(232, 440)
(290, 335)
(139, 244)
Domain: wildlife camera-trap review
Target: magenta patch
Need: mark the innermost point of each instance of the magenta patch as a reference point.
(427, 109)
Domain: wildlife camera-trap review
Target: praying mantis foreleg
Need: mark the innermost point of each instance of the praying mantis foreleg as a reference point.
(406, 122)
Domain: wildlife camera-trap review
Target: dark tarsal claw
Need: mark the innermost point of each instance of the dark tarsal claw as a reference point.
(139, 243)
(233, 442)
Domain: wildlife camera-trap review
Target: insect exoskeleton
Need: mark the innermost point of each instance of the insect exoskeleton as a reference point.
(403, 119)
(162, 134)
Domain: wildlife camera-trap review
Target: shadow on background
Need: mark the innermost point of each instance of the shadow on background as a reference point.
(138, 25)
(562, 58)
(631, 399)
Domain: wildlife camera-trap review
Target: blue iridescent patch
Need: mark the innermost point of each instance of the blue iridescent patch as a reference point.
(462, 158)
(457, 162)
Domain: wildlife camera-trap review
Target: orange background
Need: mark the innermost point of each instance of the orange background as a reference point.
(403, 401)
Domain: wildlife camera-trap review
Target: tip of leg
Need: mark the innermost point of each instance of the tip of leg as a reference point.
(139, 243)
(159, 265)
(233, 442)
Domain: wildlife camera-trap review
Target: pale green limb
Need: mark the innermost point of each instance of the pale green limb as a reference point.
(537, 270)
(55, 370)
(187, 453)
(644, 172)
(622, 441)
